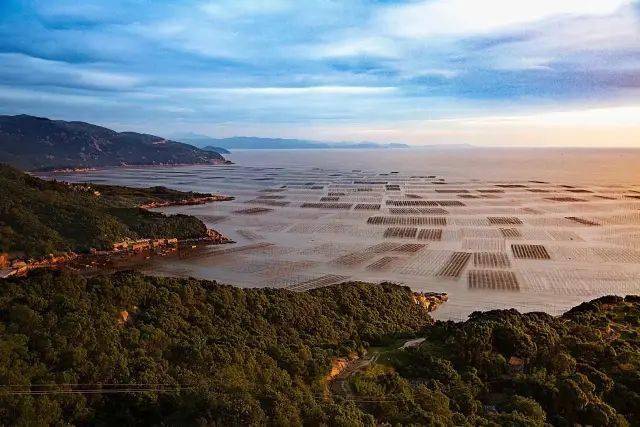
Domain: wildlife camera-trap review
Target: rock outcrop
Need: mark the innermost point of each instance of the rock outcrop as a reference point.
(430, 300)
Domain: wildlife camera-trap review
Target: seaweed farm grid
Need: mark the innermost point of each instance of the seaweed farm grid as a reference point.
(530, 245)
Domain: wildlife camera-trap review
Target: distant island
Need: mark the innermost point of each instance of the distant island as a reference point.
(222, 145)
(37, 143)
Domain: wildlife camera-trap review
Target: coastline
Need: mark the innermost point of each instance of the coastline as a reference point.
(124, 166)
(121, 252)
(192, 201)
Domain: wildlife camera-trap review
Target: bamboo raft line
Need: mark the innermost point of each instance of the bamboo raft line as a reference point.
(411, 220)
(491, 260)
(430, 234)
(367, 207)
(244, 248)
(318, 282)
(411, 203)
(271, 197)
(267, 202)
(583, 221)
(504, 220)
(450, 203)
(455, 264)
(493, 279)
(530, 252)
(451, 191)
(410, 247)
(401, 232)
(565, 199)
(418, 211)
(383, 263)
(252, 211)
(358, 257)
(328, 205)
(272, 190)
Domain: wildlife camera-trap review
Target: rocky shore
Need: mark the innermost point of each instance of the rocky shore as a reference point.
(187, 202)
(430, 300)
(96, 258)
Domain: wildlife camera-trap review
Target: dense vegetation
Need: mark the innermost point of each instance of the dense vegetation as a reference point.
(243, 356)
(215, 354)
(32, 143)
(39, 217)
(517, 369)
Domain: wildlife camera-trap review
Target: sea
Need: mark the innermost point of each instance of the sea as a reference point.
(535, 229)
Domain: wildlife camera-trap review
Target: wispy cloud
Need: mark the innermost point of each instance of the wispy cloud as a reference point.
(285, 91)
(21, 69)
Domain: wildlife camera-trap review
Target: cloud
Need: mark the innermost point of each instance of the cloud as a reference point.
(372, 65)
(21, 69)
(618, 116)
(367, 46)
(286, 91)
(464, 17)
(230, 9)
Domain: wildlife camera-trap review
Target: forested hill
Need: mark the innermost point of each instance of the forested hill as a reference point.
(32, 143)
(512, 369)
(39, 217)
(200, 353)
(241, 356)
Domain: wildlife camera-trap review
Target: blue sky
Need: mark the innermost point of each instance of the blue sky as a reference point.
(496, 72)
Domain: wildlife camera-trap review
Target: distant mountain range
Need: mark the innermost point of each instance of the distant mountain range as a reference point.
(257, 143)
(218, 150)
(36, 143)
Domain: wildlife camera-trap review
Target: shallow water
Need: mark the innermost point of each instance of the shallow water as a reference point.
(450, 221)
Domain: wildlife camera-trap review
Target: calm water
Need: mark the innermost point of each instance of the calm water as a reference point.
(495, 228)
(610, 166)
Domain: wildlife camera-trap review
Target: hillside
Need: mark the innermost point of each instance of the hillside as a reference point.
(129, 349)
(516, 369)
(239, 356)
(34, 143)
(39, 217)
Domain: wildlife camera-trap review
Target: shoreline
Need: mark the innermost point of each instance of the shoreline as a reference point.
(120, 252)
(87, 169)
(192, 201)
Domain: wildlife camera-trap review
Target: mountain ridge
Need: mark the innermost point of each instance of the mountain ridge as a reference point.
(263, 143)
(37, 143)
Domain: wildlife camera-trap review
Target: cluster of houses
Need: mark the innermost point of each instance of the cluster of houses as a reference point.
(18, 267)
(186, 202)
(142, 245)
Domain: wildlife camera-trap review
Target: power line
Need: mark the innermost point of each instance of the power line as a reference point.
(15, 390)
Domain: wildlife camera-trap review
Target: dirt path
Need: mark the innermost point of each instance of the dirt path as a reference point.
(340, 384)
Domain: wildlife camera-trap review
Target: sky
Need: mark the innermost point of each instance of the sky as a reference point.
(490, 72)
